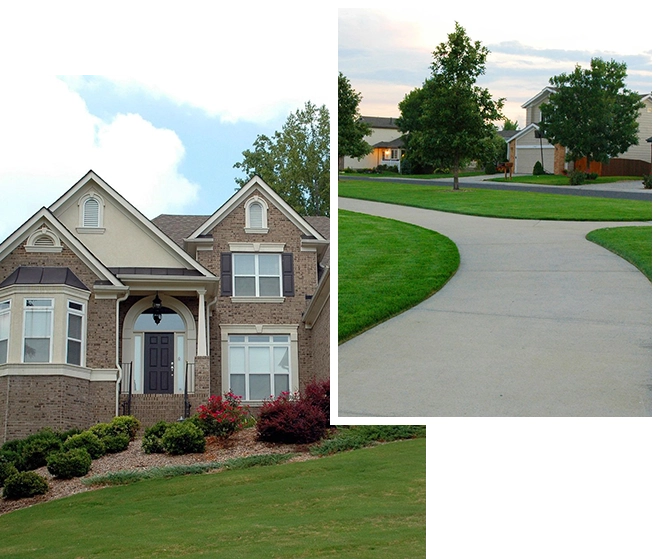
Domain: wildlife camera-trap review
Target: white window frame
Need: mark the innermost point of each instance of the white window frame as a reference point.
(82, 341)
(249, 226)
(5, 310)
(257, 275)
(45, 309)
(290, 330)
(97, 227)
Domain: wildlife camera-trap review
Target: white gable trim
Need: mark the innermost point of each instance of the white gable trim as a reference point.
(71, 197)
(265, 191)
(45, 217)
(523, 132)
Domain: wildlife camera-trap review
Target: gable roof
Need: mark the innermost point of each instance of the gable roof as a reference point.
(70, 197)
(522, 132)
(546, 91)
(254, 184)
(380, 121)
(179, 227)
(45, 216)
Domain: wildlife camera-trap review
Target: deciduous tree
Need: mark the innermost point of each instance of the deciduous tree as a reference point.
(591, 112)
(351, 130)
(295, 162)
(449, 117)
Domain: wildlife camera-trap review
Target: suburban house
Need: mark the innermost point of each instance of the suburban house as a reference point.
(104, 312)
(386, 141)
(527, 146)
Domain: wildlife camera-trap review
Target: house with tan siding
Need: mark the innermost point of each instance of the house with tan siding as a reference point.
(386, 142)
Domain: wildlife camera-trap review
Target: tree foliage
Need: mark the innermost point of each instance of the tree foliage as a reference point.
(351, 130)
(447, 120)
(591, 112)
(295, 162)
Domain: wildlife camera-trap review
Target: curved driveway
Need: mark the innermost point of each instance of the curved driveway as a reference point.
(537, 321)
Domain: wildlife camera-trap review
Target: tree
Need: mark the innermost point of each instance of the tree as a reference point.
(510, 124)
(591, 113)
(295, 162)
(447, 120)
(351, 130)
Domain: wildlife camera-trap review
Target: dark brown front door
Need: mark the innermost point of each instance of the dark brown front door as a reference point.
(159, 363)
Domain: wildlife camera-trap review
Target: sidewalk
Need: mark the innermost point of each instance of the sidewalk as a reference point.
(537, 321)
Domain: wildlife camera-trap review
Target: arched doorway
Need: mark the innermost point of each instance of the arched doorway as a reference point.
(158, 354)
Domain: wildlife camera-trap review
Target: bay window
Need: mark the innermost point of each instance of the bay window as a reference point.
(37, 330)
(5, 317)
(74, 338)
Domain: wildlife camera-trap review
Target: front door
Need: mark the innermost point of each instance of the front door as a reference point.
(159, 363)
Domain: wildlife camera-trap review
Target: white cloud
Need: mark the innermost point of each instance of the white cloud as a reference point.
(232, 97)
(49, 139)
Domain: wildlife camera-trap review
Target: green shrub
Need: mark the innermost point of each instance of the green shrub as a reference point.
(24, 484)
(116, 443)
(151, 442)
(126, 425)
(490, 168)
(36, 449)
(538, 169)
(72, 463)
(102, 430)
(87, 440)
(358, 436)
(6, 469)
(576, 178)
(183, 438)
(646, 181)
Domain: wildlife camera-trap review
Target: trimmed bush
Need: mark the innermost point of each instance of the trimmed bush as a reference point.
(115, 443)
(538, 169)
(576, 178)
(290, 420)
(126, 425)
(87, 440)
(6, 469)
(151, 442)
(183, 438)
(36, 449)
(72, 463)
(24, 484)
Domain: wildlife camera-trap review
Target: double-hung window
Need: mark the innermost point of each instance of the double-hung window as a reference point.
(257, 275)
(74, 335)
(259, 365)
(5, 316)
(37, 330)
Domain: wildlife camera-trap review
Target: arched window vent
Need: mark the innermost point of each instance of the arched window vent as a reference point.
(256, 215)
(43, 240)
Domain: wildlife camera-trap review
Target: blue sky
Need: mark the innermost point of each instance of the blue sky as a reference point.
(386, 52)
(166, 141)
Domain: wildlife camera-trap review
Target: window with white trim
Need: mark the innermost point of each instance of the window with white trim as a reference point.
(257, 275)
(91, 213)
(5, 321)
(256, 215)
(259, 365)
(75, 331)
(37, 330)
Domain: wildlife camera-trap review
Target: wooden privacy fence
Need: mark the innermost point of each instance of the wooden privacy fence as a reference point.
(616, 167)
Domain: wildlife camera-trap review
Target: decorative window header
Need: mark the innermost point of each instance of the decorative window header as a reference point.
(43, 240)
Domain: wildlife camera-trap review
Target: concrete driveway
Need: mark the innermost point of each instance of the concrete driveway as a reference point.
(537, 321)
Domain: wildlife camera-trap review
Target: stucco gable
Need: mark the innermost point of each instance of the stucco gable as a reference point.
(124, 236)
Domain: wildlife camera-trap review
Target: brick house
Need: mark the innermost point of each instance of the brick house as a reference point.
(104, 312)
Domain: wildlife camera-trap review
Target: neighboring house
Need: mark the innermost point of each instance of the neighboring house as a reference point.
(104, 312)
(526, 147)
(386, 141)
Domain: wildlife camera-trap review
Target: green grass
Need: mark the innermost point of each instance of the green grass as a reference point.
(369, 503)
(386, 267)
(359, 436)
(559, 180)
(631, 243)
(498, 203)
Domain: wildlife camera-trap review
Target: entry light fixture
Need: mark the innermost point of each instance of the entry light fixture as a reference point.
(156, 309)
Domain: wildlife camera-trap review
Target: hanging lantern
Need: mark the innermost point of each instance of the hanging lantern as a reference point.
(156, 309)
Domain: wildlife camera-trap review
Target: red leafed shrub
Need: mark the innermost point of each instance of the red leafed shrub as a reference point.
(291, 419)
(317, 392)
(222, 417)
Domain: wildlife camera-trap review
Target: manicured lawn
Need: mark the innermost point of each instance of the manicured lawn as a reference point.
(368, 503)
(631, 243)
(559, 180)
(386, 267)
(498, 203)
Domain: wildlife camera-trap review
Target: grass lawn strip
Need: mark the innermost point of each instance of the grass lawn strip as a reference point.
(560, 180)
(631, 243)
(498, 203)
(386, 267)
(362, 504)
